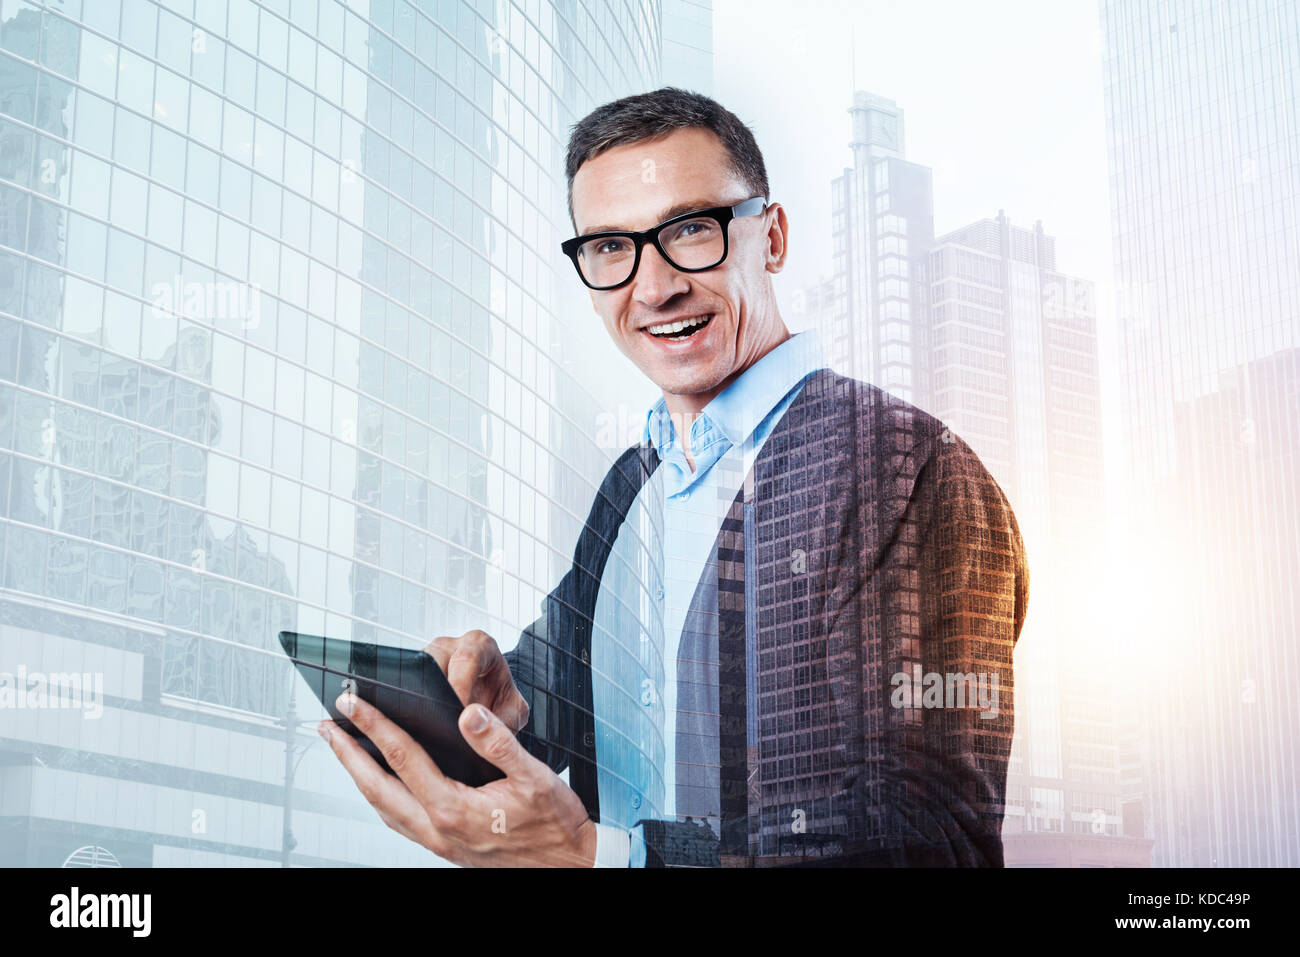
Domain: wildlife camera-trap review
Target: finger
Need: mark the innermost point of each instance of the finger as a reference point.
(511, 707)
(493, 672)
(474, 657)
(490, 737)
(410, 762)
(462, 675)
(391, 798)
(440, 650)
(393, 824)
(496, 687)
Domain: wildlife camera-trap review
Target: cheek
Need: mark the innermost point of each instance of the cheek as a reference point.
(623, 335)
(734, 298)
(721, 289)
(610, 312)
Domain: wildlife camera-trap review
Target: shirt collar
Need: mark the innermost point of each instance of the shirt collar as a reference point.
(741, 407)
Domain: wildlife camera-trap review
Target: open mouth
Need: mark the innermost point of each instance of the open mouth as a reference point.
(681, 329)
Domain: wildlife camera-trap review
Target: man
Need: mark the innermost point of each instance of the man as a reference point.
(732, 671)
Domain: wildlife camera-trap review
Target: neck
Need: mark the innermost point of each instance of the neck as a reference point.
(685, 408)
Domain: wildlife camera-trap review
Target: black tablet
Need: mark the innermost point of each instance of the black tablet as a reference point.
(407, 686)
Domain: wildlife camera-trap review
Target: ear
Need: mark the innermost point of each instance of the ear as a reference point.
(778, 236)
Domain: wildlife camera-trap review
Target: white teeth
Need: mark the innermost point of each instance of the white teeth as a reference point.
(668, 328)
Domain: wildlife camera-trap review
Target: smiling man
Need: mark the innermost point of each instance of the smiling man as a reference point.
(731, 671)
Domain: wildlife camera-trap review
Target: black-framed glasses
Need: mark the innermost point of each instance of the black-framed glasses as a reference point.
(691, 242)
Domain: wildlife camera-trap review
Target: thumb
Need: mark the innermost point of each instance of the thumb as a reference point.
(488, 735)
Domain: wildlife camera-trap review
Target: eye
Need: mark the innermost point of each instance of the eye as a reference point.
(611, 247)
(692, 231)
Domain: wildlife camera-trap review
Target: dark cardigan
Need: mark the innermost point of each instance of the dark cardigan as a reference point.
(868, 542)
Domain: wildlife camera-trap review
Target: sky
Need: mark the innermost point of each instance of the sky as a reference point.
(1002, 99)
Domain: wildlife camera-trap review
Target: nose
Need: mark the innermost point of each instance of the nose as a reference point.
(656, 280)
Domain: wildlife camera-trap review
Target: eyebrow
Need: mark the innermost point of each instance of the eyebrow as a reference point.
(688, 207)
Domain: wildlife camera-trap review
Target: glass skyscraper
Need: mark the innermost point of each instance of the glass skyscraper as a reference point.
(285, 342)
(872, 312)
(1203, 105)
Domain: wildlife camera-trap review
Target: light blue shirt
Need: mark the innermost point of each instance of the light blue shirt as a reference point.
(687, 508)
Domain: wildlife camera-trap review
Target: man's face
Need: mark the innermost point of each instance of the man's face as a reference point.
(637, 186)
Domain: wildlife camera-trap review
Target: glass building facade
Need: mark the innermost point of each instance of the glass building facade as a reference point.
(1202, 109)
(872, 313)
(285, 342)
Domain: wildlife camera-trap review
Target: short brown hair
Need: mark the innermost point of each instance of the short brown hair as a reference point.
(650, 115)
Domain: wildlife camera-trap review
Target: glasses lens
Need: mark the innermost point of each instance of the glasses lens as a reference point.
(694, 243)
(607, 261)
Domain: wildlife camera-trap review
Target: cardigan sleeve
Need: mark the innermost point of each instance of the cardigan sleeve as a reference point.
(945, 605)
(537, 668)
(551, 664)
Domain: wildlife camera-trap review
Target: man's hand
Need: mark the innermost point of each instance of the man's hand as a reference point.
(528, 818)
(479, 674)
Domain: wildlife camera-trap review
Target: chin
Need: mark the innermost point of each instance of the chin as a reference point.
(700, 374)
(692, 385)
